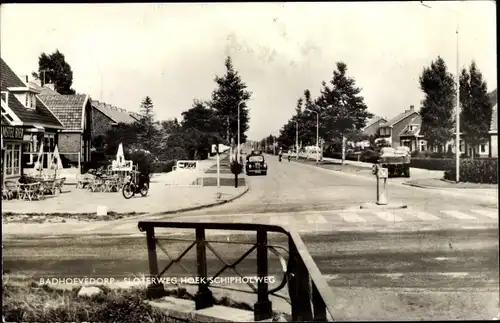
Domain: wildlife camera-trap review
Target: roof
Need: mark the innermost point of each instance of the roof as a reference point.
(416, 121)
(400, 117)
(373, 121)
(115, 114)
(43, 89)
(5, 122)
(40, 115)
(68, 108)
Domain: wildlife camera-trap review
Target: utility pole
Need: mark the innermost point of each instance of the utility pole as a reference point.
(457, 114)
(297, 140)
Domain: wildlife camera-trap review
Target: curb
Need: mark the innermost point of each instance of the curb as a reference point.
(199, 207)
(456, 189)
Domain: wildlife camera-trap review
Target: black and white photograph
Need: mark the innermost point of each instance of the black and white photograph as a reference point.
(249, 161)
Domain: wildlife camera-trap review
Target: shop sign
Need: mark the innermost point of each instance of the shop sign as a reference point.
(9, 132)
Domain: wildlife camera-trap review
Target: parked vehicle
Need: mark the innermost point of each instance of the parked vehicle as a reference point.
(256, 164)
(396, 160)
(138, 183)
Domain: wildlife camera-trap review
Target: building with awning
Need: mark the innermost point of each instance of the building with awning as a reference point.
(26, 123)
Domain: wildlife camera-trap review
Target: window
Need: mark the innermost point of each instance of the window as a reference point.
(482, 148)
(13, 160)
(462, 146)
(33, 101)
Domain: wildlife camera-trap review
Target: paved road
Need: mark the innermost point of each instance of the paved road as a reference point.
(314, 199)
(429, 275)
(407, 272)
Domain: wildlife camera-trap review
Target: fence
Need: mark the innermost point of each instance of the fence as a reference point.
(300, 269)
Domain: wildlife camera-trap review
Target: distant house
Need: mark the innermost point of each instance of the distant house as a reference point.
(75, 112)
(372, 126)
(106, 116)
(391, 130)
(27, 123)
(489, 147)
(493, 142)
(410, 136)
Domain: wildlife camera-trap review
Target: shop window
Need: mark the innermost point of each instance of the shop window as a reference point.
(13, 160)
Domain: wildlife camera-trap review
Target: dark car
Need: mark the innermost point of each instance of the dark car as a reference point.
(256, 164)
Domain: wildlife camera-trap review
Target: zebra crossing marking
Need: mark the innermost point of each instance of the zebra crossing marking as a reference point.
(425, 216)
(280, 220)
(458, 215)
(351, 217)
(315, 218)
(490, 214)
(389, 217)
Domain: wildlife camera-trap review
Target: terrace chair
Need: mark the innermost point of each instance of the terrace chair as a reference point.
(31, 191)
(12, 189)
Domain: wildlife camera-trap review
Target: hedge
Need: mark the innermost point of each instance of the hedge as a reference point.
(484, 170)
(163, 166)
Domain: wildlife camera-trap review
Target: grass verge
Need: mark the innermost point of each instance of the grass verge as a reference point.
(11, 217)
(24, 300)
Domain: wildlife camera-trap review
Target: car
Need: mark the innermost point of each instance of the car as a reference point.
(256, 164)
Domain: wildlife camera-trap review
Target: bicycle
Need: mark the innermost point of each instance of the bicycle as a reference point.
(132, 187)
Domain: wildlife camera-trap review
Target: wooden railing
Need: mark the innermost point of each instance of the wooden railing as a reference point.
(310, 296)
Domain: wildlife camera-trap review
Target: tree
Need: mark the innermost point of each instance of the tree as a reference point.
(230, 92)
(53, 68)
(477, 109)
(438, 104)
(201, 117)
(170, 126)
(149, 134)
(342, 108)
(202, 125)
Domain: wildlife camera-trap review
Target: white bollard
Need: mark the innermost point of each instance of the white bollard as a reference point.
(382, 175)
(102, 210)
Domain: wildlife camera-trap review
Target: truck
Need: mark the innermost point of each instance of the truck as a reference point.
(396, 160)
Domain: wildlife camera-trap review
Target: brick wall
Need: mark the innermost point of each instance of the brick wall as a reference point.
(100, 123)
(398, 127)
(70, 145)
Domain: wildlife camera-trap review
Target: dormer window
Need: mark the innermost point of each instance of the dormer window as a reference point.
(30, 100)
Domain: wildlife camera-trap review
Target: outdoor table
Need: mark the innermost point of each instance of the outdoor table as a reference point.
(29, 191)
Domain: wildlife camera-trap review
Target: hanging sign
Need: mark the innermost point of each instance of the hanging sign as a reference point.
(9, 132)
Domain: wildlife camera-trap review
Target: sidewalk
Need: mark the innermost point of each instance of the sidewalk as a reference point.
(363, 170)
(162, 197)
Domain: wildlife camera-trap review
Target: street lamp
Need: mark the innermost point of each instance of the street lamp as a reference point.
(317, 134)
(238, 152)
(457, 109)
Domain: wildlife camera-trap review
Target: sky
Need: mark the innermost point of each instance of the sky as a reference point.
(120, 53)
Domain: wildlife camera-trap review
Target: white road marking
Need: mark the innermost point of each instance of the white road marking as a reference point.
(425, 216)
(315, 219)
(351, 217)
(459, 215)
(458, 274)
(389, 217)
(279, 220)
(490, 214)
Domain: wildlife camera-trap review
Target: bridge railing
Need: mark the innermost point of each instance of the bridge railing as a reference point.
(310, 296)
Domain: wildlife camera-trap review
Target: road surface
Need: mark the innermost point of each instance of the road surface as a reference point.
(437, 259)
(430, 275)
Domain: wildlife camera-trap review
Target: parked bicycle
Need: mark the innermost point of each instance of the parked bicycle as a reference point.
(138, 183)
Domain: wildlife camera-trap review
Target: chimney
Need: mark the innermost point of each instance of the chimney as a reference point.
(412, 108)
(50, 86)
